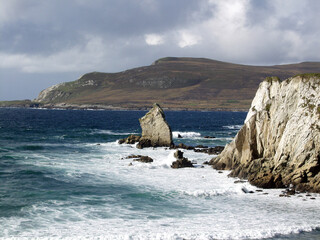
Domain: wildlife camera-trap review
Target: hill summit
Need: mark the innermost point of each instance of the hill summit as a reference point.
(176, 83)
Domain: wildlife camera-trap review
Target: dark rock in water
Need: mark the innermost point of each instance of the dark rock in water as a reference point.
(246, 190)
(140, 158)
(240, 181)
(133, 156)
(209, 137)
(216, 150)
(144, 159)
(181, 161)
(201, 146)
(213, 150)
(179, 136)
(145, 143)
(156, 132)
(178, 154)
(132, 139)
(288, 192)
(202, 150)
(183, 146)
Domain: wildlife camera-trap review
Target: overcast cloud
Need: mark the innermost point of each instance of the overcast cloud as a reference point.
(48, 42)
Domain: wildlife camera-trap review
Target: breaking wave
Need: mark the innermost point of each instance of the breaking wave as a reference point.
(235, 127)
(186, 134)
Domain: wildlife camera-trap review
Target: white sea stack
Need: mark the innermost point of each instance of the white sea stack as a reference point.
(156, 132)
(279, 143)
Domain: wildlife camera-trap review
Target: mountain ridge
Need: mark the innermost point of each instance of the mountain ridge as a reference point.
(173, 82)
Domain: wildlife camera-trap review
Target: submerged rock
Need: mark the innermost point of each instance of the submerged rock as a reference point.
(279, 143)
(156, 132)
(181, 161)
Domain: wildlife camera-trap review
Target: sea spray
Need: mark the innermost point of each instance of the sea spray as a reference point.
(79, 184)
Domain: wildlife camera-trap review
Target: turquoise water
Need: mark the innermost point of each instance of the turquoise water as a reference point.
(63, 175)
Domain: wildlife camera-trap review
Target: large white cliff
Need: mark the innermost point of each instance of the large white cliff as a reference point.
(279, 143)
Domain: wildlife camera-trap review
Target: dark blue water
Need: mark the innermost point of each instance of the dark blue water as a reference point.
(54, 171)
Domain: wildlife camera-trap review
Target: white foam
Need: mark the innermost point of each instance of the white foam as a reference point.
(209, 205)
(110, 132)
(223, 139)
(236, 127)
(186, 134)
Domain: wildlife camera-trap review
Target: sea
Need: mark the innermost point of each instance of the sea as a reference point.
(64, 176)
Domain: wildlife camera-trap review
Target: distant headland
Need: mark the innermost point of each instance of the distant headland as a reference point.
(175, 83)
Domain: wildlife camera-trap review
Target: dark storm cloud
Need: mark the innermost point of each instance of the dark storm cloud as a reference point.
(44, 26)
(79, 36)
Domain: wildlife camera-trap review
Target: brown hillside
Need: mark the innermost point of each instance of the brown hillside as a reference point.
(184, 83)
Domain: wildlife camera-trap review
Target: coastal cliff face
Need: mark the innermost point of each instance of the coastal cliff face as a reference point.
(279, 143)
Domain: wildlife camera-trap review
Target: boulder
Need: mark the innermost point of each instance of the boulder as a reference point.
(156, 132)
(140, 158)
(181, 161)
(144, 159)
(201, 146)
(182, 146)
(132, 139)
(178, 154)
(215, 150)
(279, 143)
(144, 143)
(212, 150)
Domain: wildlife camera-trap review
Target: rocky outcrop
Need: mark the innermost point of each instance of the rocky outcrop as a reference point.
(132, 139)
(52, 93)
(140, 158)
(211, 151)
(181, 161)
(156, 132)
(279, 143)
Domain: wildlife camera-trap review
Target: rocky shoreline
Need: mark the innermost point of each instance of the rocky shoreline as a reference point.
(65, 106)
(156, 132)
(278, 146)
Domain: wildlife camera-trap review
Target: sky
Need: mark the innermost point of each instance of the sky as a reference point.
(45, 42)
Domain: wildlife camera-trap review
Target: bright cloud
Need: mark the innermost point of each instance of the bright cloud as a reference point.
(187, 39)
(154, 39)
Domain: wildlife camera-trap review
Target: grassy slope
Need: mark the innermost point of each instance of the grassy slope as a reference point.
(192, 83)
